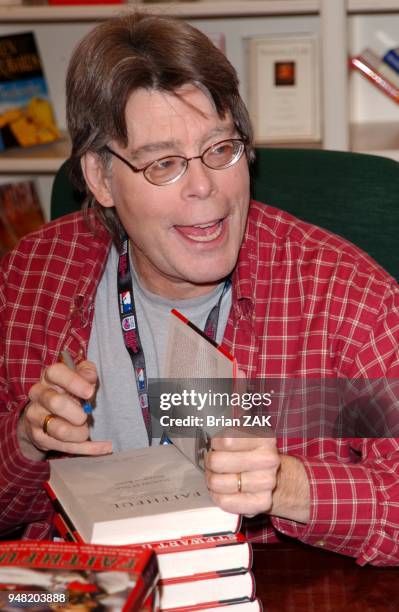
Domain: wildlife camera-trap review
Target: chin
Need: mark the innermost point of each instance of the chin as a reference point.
(210, 275)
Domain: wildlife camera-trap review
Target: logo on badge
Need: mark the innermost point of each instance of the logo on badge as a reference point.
(125, 301)
(144, 401)
(140, 378)
(129, 323)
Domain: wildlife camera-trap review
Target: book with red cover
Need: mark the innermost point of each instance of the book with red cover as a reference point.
(377, 72)
(20, 212)
(136, 496)
(211, 588)
(236, 605)
(43, 573)
(187, 556)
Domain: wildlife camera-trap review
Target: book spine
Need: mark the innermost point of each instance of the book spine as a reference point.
(392, 59)
(145, 585)
(224, 604)
(61, 521)
(374, 76)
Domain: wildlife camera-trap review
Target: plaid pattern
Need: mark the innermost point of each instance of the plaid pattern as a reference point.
(305, 304)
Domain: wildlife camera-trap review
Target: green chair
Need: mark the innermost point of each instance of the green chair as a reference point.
(351, 194)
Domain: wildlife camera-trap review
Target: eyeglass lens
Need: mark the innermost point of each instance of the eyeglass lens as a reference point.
(221, 155)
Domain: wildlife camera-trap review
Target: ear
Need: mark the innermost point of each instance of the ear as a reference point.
(96, 179)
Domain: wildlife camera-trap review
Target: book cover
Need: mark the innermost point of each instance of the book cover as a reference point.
(193, 364)
(392, 59)
(284, 87)
(386, 47)
(20, 212)
(48, 576)
(240, 604)
(377, 72)
(136, 496)
(26, 113)
(216, 588)
(185, 556)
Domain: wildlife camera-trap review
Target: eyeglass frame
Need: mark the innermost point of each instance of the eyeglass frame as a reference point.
(186, 159)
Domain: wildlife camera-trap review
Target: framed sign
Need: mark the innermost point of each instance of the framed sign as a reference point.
(284, 91)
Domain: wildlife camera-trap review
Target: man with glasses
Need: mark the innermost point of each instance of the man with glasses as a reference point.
(161, 145)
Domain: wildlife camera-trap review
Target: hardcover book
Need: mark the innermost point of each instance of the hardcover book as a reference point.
(26, 113)
(193, 363)
(392, 59)
(136, 496)
(215, 588)
(284, 90)
(48, 576)
(240, 604)
(20, 212)
(186, 556)
(377, 72)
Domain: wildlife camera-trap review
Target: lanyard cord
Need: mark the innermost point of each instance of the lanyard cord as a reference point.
(130, 330)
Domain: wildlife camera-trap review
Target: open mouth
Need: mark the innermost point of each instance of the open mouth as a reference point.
(205, 232)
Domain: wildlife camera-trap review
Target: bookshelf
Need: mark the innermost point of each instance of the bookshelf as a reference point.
(368, 124)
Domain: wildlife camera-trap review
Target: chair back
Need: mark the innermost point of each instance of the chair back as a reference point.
(351, 194)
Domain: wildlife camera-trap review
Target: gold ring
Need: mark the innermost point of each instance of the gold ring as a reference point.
(46, 421)
(239, 482)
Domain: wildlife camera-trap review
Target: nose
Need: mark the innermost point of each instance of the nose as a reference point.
(198, 181)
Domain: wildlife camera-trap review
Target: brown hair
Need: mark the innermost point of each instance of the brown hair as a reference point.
(140, 50)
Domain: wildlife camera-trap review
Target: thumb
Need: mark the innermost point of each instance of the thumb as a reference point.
(88, 371)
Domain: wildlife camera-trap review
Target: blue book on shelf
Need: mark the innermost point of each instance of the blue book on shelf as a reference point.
(392, 58)
(26, 113)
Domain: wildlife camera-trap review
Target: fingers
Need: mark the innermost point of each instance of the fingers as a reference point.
(241, 473)
(251, 482)
(57, 395)
(80, 382)
(46, 400)
(244, 503)
(241, 454)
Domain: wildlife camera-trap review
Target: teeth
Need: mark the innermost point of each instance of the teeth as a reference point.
(208, 237)
(204, 225)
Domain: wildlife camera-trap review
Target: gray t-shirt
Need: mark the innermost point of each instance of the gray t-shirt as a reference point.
(117, 415)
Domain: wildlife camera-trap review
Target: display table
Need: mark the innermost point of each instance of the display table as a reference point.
(293, 577)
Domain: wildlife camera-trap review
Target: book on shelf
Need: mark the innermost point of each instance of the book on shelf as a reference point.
(283, 87)
(185, 556)
(69, 575)
(20, 212)
(26, 112)
(387, 48)
(136, 496)
(392, 59)
(373, 68)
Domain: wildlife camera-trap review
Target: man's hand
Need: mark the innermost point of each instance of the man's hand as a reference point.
(57, 394)
(270, 482)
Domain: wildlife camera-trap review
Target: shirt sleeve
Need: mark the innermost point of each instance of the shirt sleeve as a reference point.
(355, 497)
(22, 497)
(23, 500)
(353, 506)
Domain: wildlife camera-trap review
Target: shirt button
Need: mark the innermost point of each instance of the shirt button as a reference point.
(320, 543)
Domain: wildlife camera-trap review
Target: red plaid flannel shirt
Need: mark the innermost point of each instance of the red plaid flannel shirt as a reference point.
(305, 304)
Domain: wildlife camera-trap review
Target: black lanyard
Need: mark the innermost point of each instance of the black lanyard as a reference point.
(130, 330)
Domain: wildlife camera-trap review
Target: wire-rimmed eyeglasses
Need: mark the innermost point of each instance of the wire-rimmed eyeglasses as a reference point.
(169, 169)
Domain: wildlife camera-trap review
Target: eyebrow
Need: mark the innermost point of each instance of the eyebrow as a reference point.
(164, 145)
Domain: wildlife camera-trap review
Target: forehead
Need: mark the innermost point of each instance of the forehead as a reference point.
(188, 115)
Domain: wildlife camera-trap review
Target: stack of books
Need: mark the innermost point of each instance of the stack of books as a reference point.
(378, 71)
(204, 562)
